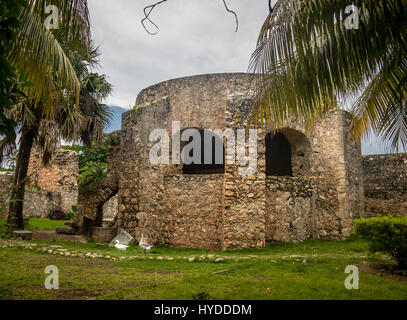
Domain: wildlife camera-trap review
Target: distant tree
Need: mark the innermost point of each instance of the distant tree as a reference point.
(92, 161)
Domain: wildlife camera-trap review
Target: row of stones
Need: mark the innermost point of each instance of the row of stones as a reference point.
(59, 250)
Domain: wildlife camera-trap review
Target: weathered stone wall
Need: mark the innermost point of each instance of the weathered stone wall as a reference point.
(244, 215)
(336, 174)
(195, 205)
(110, 210)
(40, 203)
(61, 172)
(188, 101)
(288, 209)
(233, 210)
(385, 180)
(94, 199)
(59, 176)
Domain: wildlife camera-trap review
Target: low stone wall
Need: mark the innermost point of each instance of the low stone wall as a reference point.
(289, 212)
(39, 203)
(385, 184)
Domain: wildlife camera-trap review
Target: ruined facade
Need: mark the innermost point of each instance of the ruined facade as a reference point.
(385, 183)
(49, 188)
(307, 184)
(57, 182)
(318, 194)
(98, 202)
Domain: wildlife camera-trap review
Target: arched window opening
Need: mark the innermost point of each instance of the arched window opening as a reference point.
(278, 155)
(214, 145)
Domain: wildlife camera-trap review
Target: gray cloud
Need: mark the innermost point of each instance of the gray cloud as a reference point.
(195, 37)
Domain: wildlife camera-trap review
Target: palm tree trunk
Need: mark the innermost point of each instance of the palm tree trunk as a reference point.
(15, 213)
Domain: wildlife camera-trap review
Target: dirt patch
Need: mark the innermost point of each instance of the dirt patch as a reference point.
(384, 270)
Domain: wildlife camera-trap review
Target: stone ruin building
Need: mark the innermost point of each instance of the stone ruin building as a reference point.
(49, 188)
(308, 184)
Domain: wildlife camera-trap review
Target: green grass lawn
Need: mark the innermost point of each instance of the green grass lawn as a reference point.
(35, 224)
(274, 272)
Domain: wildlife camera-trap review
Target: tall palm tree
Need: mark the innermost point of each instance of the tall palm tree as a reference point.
(56, 89)
(85, 123)
(312, 53)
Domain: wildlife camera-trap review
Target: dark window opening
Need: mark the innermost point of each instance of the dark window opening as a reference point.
(278, 156)
(202, 167)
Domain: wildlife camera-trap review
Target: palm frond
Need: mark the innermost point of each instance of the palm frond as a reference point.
(306, 57)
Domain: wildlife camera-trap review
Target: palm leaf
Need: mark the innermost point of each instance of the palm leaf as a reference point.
(306, 58)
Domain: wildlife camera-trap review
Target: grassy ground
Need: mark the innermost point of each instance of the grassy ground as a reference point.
(35, 224)
(277, 271)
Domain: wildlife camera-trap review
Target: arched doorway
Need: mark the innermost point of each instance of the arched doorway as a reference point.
(212, 154)
(278, 155)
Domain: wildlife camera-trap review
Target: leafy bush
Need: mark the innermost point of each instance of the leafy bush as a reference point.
(386, 234)
(92, 173)
(92, 161)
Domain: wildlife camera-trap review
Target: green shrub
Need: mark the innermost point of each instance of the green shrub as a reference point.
(386, 234)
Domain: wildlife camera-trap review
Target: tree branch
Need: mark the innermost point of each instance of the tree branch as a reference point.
(150, 8)
(270, 7)
(232, 12)
(147, 12)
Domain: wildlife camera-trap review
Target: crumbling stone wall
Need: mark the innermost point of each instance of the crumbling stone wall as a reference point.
(93, 198)
(231, 210)
(59, 176)
(289, 212)
(40, 203)
(57, 182)
(61, 172)
(385, 180)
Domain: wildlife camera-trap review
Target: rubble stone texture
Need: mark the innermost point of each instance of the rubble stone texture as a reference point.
(385, 182)
(329, 183)
(57, 184)
(98, 201)
(223, 211)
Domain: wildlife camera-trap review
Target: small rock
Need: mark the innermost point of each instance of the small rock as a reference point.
(304, 262)
(191, 259)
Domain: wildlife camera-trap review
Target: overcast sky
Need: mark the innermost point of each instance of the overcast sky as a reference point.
(195, 37)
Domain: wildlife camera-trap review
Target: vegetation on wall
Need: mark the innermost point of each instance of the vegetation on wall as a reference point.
(92, 161)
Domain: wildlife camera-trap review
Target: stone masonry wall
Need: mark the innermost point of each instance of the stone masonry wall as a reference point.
(62, 171)
(39, 203)
(244, 216)
(385, 182)
(288, 209)
(233, 210)
(59, 176)
(93, 197)
(195, 203)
